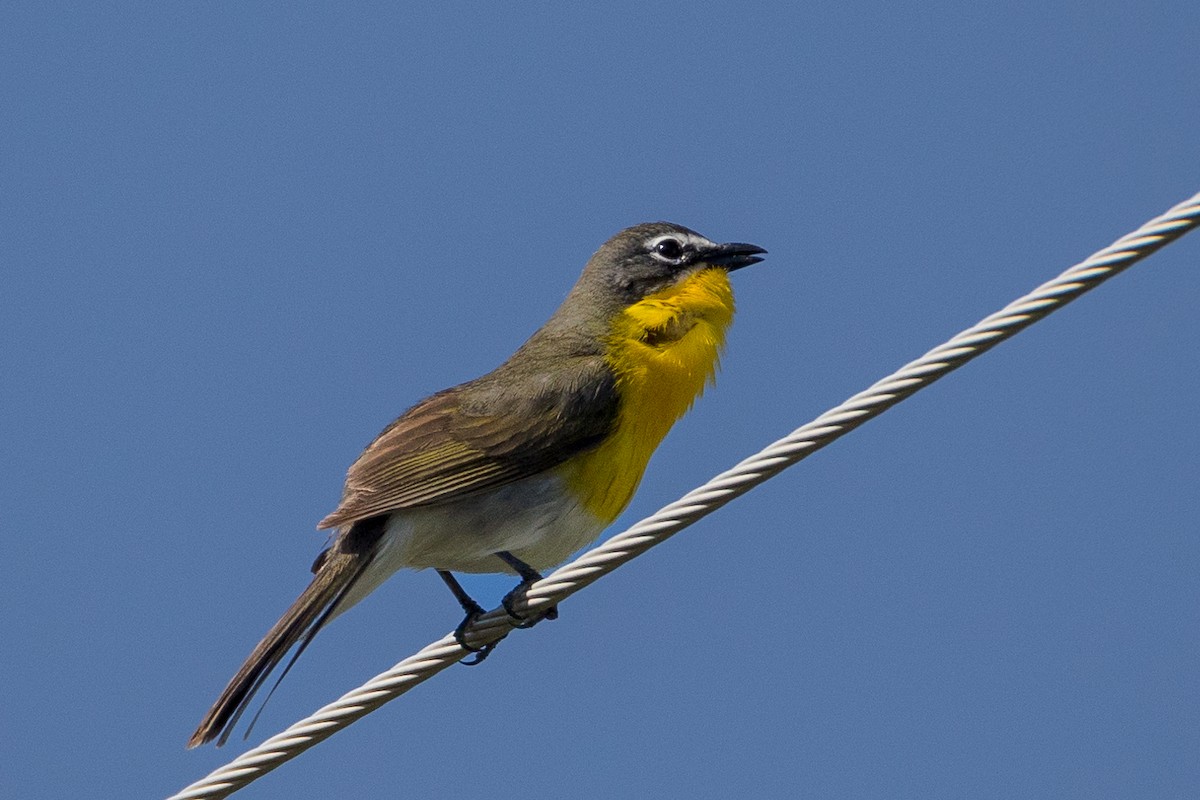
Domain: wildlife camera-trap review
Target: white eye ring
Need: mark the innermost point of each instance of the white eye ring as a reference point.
(667, 248)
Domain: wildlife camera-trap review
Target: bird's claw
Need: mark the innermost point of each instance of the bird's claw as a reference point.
(521, 620)
(478, 654)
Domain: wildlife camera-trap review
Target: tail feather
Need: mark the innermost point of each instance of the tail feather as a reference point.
(315, 606)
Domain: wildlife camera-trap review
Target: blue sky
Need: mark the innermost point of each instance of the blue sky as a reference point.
(238, 241)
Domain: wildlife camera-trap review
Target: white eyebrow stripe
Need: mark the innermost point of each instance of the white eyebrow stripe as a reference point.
(694, 239)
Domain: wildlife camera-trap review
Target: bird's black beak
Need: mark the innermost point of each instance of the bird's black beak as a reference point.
(731, 256)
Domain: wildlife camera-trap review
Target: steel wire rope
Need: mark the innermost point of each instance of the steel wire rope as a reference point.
(700, 502)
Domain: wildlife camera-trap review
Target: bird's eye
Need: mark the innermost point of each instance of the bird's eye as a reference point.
(669, 249)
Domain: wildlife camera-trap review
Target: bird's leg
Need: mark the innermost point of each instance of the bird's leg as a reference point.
(473, 612)
(529, 576)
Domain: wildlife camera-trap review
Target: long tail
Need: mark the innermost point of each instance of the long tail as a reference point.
(335, 573)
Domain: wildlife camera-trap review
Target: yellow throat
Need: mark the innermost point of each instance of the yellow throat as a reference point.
(663, 351)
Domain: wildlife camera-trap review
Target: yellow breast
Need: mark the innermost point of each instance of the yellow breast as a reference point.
(663, 351)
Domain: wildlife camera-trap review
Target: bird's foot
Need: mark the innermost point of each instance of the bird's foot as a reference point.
(478, 654)
(525, 621)
(529, 576)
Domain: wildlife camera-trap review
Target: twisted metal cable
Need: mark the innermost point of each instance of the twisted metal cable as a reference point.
(702, 501)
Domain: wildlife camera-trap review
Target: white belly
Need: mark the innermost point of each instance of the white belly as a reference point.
(535, 519)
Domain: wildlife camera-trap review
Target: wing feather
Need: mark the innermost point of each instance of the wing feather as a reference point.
(474, 437)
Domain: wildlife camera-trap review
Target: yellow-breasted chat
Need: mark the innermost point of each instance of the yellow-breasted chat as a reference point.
(516, 470)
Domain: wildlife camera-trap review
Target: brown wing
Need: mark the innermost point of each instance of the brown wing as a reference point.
(474, 437)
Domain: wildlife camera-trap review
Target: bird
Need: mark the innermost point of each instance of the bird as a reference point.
(516, 470)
